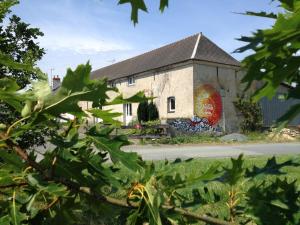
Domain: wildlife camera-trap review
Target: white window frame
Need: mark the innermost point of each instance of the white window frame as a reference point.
(131, 81)
(128, 109)
(170, 108)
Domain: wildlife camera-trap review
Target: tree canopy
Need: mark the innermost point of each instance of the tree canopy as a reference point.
(19, 44)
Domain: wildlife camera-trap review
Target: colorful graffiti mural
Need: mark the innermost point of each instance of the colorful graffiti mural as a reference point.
(194, 125)
(208, 103)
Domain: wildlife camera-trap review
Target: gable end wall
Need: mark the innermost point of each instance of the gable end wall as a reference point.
(226, 81)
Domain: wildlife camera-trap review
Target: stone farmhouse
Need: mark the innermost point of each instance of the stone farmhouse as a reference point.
(191, 78)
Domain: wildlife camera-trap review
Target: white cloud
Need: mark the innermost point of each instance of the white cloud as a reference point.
(81, 44)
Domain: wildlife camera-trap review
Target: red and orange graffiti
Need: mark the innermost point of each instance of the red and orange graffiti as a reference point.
(208, 103)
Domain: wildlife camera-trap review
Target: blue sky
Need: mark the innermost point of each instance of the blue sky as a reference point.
(101, 31)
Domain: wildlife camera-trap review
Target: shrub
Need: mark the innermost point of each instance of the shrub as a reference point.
(142, 112)
(152, 112)
(252, 115)
(150, 127)
(147, 112)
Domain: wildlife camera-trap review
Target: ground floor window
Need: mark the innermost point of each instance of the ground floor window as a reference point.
(171, 104)
(128, 109)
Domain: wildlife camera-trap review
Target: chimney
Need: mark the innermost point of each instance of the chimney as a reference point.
(55, 82)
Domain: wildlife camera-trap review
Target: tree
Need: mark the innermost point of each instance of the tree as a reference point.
(18, 41)
(147, 112)
(142, 112)
(152, 112)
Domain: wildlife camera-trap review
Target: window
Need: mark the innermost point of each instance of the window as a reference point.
(171, 104)
(131, 80)
(128, 109)
(112, 83)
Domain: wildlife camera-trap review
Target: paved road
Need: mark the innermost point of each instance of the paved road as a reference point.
(171, 152)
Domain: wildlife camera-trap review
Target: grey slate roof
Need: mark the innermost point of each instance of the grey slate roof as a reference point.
(196, 47)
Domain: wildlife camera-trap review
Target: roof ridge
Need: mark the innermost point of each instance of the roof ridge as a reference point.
(153, 50)
(196, 45)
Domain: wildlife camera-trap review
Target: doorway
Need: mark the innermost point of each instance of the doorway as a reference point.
(127, 110)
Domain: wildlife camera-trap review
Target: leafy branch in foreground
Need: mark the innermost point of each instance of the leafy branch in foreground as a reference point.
(82, 164)
(276, 57)
(74, 170)
(137, 5)
(74, 167)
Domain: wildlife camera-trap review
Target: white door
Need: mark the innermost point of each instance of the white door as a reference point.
(127, 109)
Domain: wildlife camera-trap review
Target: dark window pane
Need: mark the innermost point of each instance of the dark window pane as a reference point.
(173, 103)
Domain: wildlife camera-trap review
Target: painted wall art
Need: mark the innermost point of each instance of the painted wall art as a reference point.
(208, 103)
(194, 125)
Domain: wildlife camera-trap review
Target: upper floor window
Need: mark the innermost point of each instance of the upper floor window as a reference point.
(171, 104)
(131, 80)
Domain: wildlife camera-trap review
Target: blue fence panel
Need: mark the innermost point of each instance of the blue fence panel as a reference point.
(275, 108)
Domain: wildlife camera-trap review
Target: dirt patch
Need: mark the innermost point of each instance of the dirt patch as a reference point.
(286, 134)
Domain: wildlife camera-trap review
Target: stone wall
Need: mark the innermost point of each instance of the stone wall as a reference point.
(202, 89)
(175, 81)
(215, 88)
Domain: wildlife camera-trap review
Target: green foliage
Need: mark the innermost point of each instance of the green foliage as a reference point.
(189, 139)
(151, 128)
(142, 112)
(203, 187)
(74, 165)
(18, 41)
(234, 174)
(278, 200)
(275, 59)
(252, 115)
(152, 112)
(19, 53)
(73, 172)
(156, 122)
(5, 8)
(137, 5)
(147, 112)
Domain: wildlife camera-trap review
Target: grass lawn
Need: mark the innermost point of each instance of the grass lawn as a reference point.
(217, 196)
(254, 137)
(197, 166)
